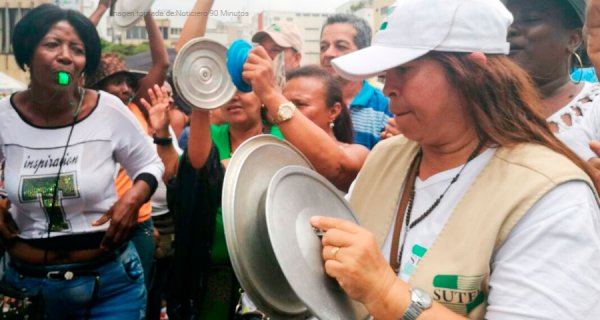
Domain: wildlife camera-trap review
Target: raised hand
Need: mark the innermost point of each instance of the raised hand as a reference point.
(158, 108)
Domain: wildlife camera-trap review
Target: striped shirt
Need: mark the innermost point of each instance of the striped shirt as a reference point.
(370, 113)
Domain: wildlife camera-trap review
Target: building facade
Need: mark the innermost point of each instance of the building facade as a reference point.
(11, 11)
(381, 9)
(308, 23)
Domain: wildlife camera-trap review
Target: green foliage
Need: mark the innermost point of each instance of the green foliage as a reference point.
(124, 49)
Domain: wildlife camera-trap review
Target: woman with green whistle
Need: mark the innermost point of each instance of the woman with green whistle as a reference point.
(65, 231)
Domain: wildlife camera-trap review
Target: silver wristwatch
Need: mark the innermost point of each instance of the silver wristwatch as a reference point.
(419, 302)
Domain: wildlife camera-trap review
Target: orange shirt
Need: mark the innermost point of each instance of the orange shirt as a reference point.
(122, 182)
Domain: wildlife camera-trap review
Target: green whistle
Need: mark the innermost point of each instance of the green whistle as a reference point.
(63, 78)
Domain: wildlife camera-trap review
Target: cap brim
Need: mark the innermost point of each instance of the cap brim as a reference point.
(259, 36)
(276, 37)
(371, 61)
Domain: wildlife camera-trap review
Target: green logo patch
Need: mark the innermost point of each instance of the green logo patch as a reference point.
(383, 26)
(41, 189)
(460, 294)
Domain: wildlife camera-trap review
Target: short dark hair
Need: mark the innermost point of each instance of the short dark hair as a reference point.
(342, 129)
(30, 30)
(362, 39)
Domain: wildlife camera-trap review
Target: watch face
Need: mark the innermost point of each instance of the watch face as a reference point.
(285, 112)
(421, 297)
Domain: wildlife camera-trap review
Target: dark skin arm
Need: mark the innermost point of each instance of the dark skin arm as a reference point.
(8, 227)
(160, 61)
(101, 9)
(123, 215)
(158, 110)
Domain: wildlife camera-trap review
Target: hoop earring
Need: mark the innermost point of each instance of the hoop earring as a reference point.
(580, 62)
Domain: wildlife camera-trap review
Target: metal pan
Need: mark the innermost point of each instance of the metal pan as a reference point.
(244, 190)
(200, 74)
(126, 13)
(294, 195)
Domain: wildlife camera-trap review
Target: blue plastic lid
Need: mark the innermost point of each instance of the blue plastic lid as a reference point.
(236, 57)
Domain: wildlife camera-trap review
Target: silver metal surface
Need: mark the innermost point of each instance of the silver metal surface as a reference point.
(127, 12)
(200, 74)
(294, 195)
(244, 189)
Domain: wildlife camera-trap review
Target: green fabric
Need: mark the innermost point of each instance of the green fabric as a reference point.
(220, 137)
(219, 254)
(214, 307)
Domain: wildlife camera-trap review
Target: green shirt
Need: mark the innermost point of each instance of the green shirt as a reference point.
(220, 136)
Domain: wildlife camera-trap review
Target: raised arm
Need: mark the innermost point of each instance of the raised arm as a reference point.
(195, 25)
(199, 141)
(340, 166)
(160, 61)
(101, 9)
(158, 111)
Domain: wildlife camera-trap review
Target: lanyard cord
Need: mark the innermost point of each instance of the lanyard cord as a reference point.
(407, 201)
(56, 182)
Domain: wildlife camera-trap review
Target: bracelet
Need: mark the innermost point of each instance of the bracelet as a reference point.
(163, 141)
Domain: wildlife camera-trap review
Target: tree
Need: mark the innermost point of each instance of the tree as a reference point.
(124, 49)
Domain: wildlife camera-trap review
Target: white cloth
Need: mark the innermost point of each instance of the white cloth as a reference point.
(549, 266)
(577, 109)
(107, 136)
(579, 137)
(159, 199)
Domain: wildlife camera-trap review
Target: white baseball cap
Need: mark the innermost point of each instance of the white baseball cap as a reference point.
(285, 34)
(416, 27)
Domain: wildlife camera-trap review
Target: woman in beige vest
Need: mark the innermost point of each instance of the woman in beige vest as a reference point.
(477, 211)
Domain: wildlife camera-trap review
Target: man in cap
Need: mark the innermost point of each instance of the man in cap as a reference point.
(282, 37)
(342, 34)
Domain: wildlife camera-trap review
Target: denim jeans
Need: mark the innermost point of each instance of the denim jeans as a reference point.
(120, 293)
(143, 239)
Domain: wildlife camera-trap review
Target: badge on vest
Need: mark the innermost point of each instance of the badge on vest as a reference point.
(416, 255)
(460, 294)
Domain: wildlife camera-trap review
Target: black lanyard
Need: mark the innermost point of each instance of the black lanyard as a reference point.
(406, 206)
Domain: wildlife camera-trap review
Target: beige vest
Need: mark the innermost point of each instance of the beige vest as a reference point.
(455, 269)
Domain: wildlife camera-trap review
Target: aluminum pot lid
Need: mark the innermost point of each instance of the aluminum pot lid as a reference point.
(244, 189)
(200, 74)
(294, 195)
(127, 12)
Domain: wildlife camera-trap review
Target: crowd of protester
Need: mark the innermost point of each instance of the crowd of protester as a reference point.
(474, 168)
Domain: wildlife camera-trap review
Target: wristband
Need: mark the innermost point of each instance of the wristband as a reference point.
(163, 141)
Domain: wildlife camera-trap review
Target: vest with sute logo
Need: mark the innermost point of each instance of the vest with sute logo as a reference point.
(455, 270)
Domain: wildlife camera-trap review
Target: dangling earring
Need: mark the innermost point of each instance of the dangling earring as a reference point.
(580, 62)
(331, 124)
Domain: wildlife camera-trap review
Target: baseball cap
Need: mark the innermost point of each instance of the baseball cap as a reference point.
(416, 27)
(285, 34)
(577, 5)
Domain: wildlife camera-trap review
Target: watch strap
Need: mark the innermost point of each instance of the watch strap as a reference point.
(413, 312)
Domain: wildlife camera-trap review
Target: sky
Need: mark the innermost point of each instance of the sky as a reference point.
(256, 6)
